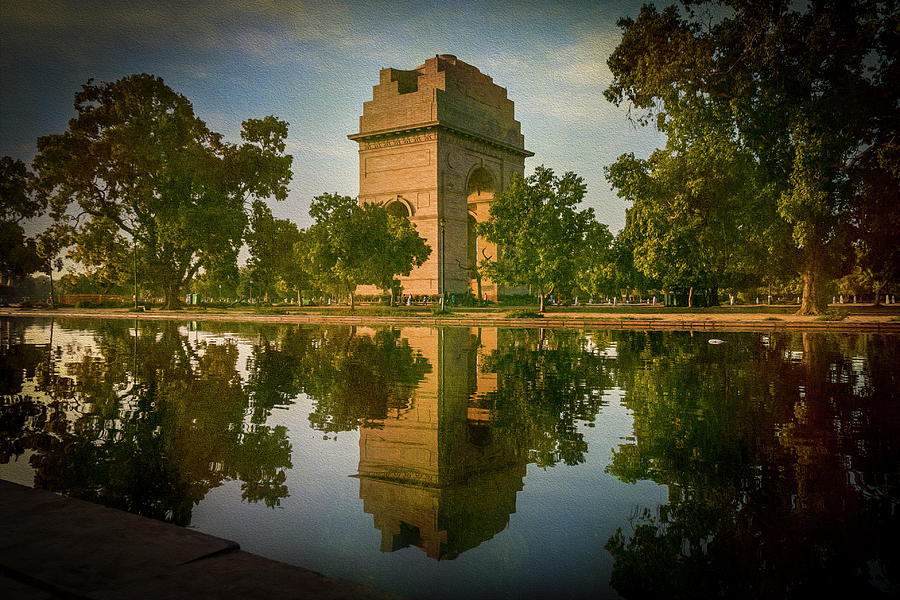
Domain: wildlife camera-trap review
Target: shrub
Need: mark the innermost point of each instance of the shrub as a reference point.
(832, 314)
(524, 313)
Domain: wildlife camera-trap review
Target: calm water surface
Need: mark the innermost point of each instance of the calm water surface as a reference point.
(480, 463)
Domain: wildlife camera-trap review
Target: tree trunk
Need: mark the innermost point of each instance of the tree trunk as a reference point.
(812, 301)
(351, 300)
(878, 288)
(542, 301)
(691, 297)
(52, 292)
(169, 295)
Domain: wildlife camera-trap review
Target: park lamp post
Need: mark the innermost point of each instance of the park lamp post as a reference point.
(441, 225)
(134, 268)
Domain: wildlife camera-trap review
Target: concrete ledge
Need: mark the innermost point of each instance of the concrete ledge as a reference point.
(57, 547)
(606, 321)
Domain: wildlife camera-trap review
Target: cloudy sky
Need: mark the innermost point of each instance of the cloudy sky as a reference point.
(313, 63)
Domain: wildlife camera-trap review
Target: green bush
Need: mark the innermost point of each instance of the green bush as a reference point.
(522, 300)
(832, 314)
(523, 313)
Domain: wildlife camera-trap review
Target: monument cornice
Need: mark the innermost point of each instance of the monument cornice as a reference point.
(397, 133)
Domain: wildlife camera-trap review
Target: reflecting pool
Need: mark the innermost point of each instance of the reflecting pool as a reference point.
(480, 462)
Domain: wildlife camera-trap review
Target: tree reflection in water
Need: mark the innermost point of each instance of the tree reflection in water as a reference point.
(780, 455)
(149, 425)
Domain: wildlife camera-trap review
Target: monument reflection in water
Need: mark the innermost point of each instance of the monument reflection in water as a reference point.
(432, 474)
(632, 463)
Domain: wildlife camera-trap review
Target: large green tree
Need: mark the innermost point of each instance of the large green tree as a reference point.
(351, 245)
(271, 243)
(539, 231)
(596, 274)
(876, 218)
(698, 216)
(805, 90)
(18, 253)
(138, 170)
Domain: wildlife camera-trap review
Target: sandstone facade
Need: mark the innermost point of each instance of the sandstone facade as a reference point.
(435, 144)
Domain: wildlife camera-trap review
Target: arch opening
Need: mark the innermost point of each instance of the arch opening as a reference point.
(397, 209)
(480, 186)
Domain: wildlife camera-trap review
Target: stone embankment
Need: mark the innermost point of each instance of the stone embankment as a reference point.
(719, 321)
(57, 547)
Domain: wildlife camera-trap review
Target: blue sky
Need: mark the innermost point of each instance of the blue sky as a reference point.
(313, 64)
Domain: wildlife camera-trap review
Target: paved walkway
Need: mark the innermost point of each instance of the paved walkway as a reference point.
(882, 322)
(57, 547)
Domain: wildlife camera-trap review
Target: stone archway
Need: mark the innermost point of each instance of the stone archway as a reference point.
(441, 139)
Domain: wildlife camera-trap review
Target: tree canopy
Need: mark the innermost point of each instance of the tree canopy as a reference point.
(271, 244)
(18, 253)
(540, 234)
(808, 94)
(138, 171)
(351, 245)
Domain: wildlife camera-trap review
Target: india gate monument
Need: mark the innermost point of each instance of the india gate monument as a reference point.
(435, 144)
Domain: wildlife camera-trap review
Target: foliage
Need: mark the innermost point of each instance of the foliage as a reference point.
(137, 169)
(769, 492)
(697, 218)
(542, 238)
(549, 381)
(219, 280)
(596, 272)
(271, 243)
(18, 254)
(802, 91)
(351, 245)
(876, 218)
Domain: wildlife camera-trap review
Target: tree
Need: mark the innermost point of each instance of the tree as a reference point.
(271, 242)
(764, 481)
(876, 219)
(49, 246)
(137, 170)
(219, 280)
(18, 253)
(698, 217)
(538, 231)
(596, 271)
(549, 384)
(351, 245)
(155, 422)
(805, 93)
